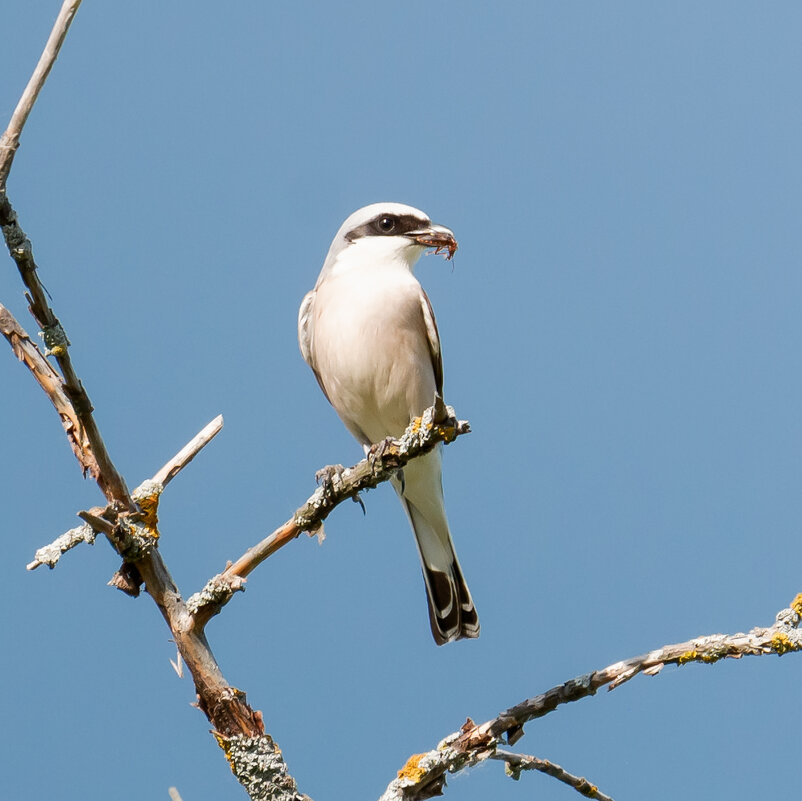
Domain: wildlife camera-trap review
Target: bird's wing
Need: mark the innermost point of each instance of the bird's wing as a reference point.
(305, 332)
(433, 337)
(305, 326)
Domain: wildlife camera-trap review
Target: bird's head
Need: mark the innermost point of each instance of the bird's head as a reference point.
(389, 232)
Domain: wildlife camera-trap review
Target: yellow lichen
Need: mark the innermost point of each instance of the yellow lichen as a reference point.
(147, 498)
(688, 656)
(448, 433)
(412, 769)
(781, 643)
(223, 743)
(796, 604)
(150, 509)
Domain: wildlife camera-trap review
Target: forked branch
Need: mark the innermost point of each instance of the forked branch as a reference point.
(130, 522)
(26, 350)
(438, 424)
(19, 246)
(423, 776)
(108, 478)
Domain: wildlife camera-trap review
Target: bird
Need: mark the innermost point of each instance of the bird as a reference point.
(367, 330)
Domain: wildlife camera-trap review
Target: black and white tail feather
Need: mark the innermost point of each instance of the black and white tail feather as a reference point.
(452, 615)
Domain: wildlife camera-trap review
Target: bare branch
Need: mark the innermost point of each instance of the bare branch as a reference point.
(19, 246)
(50, 554)
(109, 479)
(9, 142)
(189, 452)
(50, 381)
(146, 494)
(437, 424)
(423, 776)
(782, 637)
(516, 763)
(94, 518)
(253, 755)
(131, 531)
(386, 459)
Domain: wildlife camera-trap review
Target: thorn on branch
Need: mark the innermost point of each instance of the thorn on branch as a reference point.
(178, 664)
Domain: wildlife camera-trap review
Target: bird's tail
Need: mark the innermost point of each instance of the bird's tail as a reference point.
(451, 611)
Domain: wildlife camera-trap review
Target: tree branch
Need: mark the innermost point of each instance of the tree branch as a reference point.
(255, 758)
(26, 350)
(188, 452)
(9, 142)
(435, 425)
(438, 424)
(516, 763)
(131, 524)
(145, 495)
(108, 478)
(50, 554)
(423, 776)
(133, 531)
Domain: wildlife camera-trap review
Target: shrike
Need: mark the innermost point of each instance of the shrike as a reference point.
(368, 332)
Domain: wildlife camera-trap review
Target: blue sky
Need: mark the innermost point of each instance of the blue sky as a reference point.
(621, 326)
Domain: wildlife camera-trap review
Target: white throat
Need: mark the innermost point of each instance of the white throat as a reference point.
(377, 253)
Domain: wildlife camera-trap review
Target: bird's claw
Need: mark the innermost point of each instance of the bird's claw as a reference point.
(329, 475)
(377, 451)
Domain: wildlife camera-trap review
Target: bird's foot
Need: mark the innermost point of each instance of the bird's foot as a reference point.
(329, 476)
(377, 451)
(383, 456)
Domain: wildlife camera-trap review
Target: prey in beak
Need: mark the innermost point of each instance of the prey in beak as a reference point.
(436, 236)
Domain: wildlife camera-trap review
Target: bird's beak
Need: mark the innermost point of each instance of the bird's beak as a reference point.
(435, 236)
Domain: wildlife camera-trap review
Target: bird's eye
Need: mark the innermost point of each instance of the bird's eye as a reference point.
(387, 224)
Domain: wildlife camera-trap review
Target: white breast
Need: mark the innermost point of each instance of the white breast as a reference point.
(369, 347)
